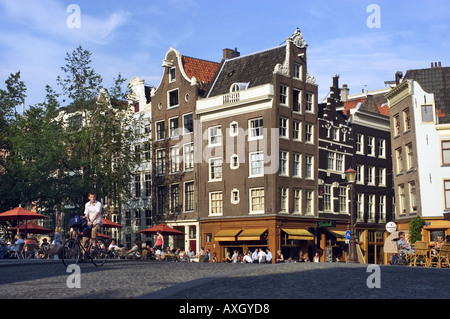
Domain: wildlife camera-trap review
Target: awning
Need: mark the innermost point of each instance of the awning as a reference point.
(299, 234)
(339, 234)
(252, 234)
(227, 234)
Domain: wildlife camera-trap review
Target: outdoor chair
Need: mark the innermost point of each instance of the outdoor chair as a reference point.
(420, 254)
(442, 257)
(31, 250)
(18, 254)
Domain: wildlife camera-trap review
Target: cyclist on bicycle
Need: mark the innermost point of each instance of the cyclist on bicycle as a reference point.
(93, 214)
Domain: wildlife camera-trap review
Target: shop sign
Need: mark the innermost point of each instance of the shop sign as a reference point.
(326, 223)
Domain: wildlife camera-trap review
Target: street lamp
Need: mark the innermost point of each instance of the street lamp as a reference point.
(350, 176)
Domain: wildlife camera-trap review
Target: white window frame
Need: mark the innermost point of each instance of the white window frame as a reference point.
(256, 129)
(212, 201)
(215, 168)
(297, 131)
(218, 136)
(260, 162)
(261, 200)
(188, 156)
(297, 165)
(283, 198)
(284, 163)
(284, 128)
(169, 106)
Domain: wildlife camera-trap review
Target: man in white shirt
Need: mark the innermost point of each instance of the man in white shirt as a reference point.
(269, 256)
(93, 214)
(255, 255)
(262, 256)
(248, 257)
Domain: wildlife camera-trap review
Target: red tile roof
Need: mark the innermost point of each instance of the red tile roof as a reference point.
(202, 70)
(382, 107)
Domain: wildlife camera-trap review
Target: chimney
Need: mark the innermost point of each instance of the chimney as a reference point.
(398, 77)
(344, 93)
(440, 64)
(230, 53)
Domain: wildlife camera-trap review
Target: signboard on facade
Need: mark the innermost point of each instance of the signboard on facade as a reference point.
(326, 223)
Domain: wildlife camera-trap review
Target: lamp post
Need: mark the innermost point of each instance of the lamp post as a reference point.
(350, 176)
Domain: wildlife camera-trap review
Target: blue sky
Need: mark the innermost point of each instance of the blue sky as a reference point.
(132, 37)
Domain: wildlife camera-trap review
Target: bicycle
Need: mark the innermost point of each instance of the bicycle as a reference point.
(73, 250)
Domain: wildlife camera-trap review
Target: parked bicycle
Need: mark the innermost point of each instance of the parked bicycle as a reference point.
(73, 251)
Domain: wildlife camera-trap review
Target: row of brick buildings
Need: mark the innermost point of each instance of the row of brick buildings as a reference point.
(241, 155)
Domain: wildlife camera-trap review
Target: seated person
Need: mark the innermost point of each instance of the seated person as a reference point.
(135, 249)
(15, 245)
(207, 256)
(248, 257)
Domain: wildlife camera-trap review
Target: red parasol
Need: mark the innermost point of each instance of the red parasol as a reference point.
(20, 213)
(31, 228)
(100, 235)
(164, 229)
(110, 224)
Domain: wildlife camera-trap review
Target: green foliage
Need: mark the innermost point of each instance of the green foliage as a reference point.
(415, 229)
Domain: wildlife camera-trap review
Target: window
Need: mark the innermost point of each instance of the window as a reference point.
(309, 134)
(297, 200)
(215, 169)
(137, 185)
(335, 134)
(359, 144)
(160, 161)
(283, 165)
(360, 207)
(147, 153)
(215, 135)
(309, 107)
(327, 198)
(173, 127)
(148, 184)
(297, 101)
(427, 113)
(406, 120)
(257, 200)
(396, 125)
(283, 94)
(174, 159)
(409, 157)
(284, 128)
(160, 200)
(174, 198)
(339, 162)
(309, 165)
(173, 98)
(371, 207)
(297, 130)
(445, 152)
(215, 203)
(234, 161)
(297, 72)
(189, 196)
(233, 129)
(399, 158)
(297, 165)
(160, 130)
(402, 201)
(359, 174)
(283, 200)
(381, 148)
(371, 175)
(188, 124)
(381, 176)
(382, 207)
(370, 146)
(188, 156)
(235, 196)
(330, 160)
(412, 196)
(256, 164)
(172, 75)
(309, 194)
(447, 193)
(343, 199)
(256, 128)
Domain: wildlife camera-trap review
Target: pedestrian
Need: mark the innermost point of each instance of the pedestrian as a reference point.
(234, 258)
(159, 242)
(207, 256)
(255, 255)
(316, 258)
(280, 257)
(262, 256)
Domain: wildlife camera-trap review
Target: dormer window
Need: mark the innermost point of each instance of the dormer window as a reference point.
(238, 87)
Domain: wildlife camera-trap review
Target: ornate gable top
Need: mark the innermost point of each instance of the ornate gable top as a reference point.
(297, 39)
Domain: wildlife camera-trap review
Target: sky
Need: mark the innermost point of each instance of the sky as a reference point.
(364, 42)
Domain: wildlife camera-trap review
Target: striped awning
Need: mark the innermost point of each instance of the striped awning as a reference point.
(299, 234)
(252, 234)
(227, 234)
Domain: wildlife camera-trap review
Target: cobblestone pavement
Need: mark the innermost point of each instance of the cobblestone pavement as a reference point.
(122, 279)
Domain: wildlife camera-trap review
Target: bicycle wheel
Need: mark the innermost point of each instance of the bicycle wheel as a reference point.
(71, 252)
(98, 252)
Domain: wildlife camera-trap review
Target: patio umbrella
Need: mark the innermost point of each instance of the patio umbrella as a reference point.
(31, 228)
(103, 236)
(164, 229)
(110, 224)
(19, 214)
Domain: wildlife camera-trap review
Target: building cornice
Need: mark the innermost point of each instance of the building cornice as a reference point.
(398, 93)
